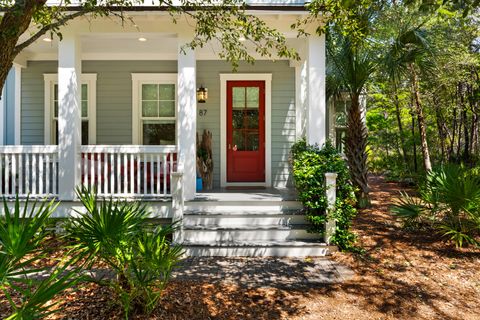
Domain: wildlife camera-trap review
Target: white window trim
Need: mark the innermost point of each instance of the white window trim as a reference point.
(267, 77)
(137, 80)
(90, 79)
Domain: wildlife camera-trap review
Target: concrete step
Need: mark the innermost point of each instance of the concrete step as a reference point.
(258, 248)
(241, 206)
(232, 220)
(208, 234)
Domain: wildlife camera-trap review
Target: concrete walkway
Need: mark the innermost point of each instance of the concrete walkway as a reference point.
(264, 271)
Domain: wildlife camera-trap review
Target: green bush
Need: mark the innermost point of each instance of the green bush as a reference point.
(118, 234)
(310, 163)
(449, 202)
(21, 234)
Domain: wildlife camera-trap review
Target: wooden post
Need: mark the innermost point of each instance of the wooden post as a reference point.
(177, 205)
(330, 224)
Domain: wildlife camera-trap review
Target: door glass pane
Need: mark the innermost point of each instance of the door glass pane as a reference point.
(167, 91)
(238, 97)
(149, 108)
(167, 108)
(238, 143)
(237, 119)
(252, 119)
(252, 143)
(253, 94)
(160, 132)
(84, 91)
(149, 92)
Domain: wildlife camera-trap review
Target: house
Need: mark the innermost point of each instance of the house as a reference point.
(115, 107)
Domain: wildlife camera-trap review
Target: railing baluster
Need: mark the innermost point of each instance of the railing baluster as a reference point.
(112, 176)
(132, 174)
(55, 173)
(138, 174)
(47, 173)
(144, 173)
(40, 173)
(105, 173)
(34, 174)
(1, 174)
(159, 164)
(14, 173)
(117, 170)
(165, 173)
(125, 174)
(98, 175)
(27, 173)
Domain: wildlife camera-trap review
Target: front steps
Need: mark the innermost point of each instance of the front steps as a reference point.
(246, 224)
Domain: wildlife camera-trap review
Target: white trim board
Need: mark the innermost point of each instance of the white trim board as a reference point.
(267, 77)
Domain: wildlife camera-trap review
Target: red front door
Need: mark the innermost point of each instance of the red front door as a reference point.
(245, 131)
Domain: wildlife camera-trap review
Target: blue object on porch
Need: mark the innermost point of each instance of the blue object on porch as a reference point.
(199, 184)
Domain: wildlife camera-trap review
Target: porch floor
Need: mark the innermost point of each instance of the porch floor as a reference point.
(244, 194)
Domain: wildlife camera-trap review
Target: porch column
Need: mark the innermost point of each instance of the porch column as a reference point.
(316, 101)
(2, 115)
(18, 103)
(187, 117)
(69, 119)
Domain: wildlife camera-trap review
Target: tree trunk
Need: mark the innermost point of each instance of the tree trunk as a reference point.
(400, 126)
(13, 24)
(355, 150)
(415, 165)
(421, 120)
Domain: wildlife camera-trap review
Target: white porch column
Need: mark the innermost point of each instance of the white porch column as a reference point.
(301, 82)
(2, 115)
(316, 101)
(69, 119)
(187, 118)
(18, 101)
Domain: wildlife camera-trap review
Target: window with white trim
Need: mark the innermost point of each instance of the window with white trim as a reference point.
(88, 109)
(154, 109)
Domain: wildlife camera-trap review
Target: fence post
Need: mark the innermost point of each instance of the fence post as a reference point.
(331, 186)
(177, 205)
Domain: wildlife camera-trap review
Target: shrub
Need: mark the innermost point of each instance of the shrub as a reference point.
(118, 234)
(310, 163)
(449, 202)
(21, 233)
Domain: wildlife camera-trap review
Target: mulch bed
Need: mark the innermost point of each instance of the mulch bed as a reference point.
(403, 275)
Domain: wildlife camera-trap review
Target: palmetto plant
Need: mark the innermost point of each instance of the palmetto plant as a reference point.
(449, 201)
(119, 234)
(21, 232)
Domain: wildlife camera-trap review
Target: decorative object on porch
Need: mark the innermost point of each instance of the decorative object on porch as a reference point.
(204, 159)
(202, 94)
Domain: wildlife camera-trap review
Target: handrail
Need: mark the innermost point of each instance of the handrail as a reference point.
(128, 149)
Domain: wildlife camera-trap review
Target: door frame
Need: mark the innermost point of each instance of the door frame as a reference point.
(267, 77)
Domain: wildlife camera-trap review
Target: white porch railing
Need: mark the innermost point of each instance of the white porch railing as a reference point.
(28, 170)
(128, 171)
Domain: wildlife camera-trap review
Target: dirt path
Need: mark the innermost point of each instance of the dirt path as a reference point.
(403, 275)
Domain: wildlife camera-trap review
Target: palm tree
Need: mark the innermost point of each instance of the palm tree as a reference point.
(350, 66)
(409, 53)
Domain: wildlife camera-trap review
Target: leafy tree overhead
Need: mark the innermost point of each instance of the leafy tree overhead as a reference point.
(226, 21)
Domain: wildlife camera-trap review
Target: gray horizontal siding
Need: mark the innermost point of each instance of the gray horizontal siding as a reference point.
(114, 103)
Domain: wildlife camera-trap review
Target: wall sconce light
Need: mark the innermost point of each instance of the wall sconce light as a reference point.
(202, 94)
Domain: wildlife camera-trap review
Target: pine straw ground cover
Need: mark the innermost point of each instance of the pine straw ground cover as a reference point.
(403, 275)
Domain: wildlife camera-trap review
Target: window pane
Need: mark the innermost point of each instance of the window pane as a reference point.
(149, 108)
(252, 119)
(55, 131)
(253, 94)
(84, 92)
(84, 132)
(84, 109)
(167, 91)
(238, 97)
(159, 132)
(167, 108)
(55, 92)
(55, 109)
(149, 92)
(252, 142)
(237, 119)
